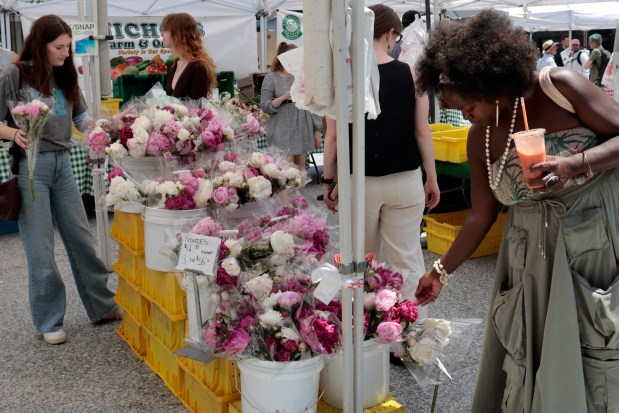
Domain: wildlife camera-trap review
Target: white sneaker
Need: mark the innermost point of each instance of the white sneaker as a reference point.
(55, 337)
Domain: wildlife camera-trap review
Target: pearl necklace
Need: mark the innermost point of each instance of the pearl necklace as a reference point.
(504, 158)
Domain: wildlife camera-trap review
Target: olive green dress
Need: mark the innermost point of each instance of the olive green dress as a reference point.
(552, 334)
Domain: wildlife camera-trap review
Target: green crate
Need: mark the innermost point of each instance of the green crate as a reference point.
(225, 82)
(128, 86)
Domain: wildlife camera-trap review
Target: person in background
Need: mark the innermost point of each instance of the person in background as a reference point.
(563, 53)
(397, 143)
(293, 130)
(7, 57)
(548, 59)
(192, 73)
(407, 18)
(578, 59)
(46, 65)
(596, 63)
(552, 334)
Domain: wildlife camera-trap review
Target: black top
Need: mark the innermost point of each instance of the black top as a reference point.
(390, 143)
(193, 83)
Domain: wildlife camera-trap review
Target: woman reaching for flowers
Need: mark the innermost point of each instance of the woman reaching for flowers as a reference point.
(46, 65)
(552, 336)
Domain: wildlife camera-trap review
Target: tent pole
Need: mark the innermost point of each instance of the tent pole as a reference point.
(432, 100)
(104, 50)
(338, 23)
(263, 41)
(358, 178)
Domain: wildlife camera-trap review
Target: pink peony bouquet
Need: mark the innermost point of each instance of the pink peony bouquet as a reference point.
(30, 111)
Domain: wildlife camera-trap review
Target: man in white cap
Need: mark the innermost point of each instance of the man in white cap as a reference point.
(577, 59)
(548, 59)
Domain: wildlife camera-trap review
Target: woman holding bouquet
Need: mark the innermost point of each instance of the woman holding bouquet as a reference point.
(397, 143)
(192, 74)
(552, 335)
(46, 66)
(293, 130)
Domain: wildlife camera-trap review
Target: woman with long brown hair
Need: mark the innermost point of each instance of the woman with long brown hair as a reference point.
(46, 65)
(192, 73)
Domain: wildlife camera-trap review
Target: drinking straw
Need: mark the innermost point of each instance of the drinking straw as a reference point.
(524, 114)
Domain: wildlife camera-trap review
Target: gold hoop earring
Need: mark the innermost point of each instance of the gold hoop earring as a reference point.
(497, 113)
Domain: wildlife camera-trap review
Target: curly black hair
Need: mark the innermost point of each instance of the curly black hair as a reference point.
(484, 57)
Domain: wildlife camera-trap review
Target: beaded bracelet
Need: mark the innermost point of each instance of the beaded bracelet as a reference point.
(444, 276)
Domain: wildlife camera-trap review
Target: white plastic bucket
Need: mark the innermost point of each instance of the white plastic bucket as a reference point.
(271, 386)
(160, 225)
(375, 376)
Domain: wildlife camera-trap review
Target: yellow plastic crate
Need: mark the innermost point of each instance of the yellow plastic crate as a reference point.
(128, 229)
(170, 331)
(164, 289)
(198, 398)
(441, 126)
(450, 145)
(442, 229)
(130, 265)
(388, 406)
(132, 300)
(133, 334)
(164, 364)
(218, 375)
(110, 107)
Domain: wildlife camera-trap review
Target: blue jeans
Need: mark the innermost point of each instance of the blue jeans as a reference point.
(58, 201)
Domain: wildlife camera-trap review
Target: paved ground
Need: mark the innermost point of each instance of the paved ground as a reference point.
(95, 371)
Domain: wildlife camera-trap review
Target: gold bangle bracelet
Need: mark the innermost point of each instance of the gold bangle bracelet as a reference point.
(589, 173)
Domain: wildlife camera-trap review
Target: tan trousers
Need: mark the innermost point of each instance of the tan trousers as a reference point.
(394, 207)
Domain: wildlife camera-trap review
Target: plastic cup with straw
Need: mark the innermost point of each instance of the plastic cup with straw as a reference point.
(530, 147)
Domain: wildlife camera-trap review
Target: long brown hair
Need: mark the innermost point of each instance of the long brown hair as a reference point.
(33, 62)
(187, 42)
(385, 19)
(283, 47)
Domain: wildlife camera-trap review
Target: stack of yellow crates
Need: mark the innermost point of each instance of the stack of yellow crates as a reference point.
(155, 325)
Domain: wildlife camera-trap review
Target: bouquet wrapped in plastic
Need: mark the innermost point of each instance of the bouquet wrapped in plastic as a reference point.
(30, 111)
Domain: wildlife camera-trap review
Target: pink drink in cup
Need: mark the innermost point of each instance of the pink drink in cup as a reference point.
(531, 151)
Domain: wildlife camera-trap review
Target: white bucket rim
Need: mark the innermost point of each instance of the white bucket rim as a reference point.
(273, 368)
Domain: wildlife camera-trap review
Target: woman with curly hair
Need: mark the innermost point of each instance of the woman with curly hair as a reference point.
(192, 73)
(552, 335)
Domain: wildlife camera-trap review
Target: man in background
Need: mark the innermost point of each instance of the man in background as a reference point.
(577, 59)
(548, 59)
(598, 59)
(407, 18)
(563, 52)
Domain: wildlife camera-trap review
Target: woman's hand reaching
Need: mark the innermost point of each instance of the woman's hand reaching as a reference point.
(429, 288)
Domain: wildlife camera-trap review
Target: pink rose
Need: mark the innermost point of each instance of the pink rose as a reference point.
(289, 299)
(97, 142)
(212, 335)
(221, 195)
(236, 342)
(388, 332)
(116, 171)
(385, 299)
(283, 355)
(408, 311)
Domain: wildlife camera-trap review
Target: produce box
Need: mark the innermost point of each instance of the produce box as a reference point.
(250, 86)
(442, 229)
(450, 144)
(225, 82)
(128, 86)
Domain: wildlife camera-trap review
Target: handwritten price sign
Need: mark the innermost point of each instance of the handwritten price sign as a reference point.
(198, 253)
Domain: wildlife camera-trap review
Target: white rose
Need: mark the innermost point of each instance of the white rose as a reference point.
(292, 173)
(231, 265)
(161, 117)
(259, 287)
(116, 150)
(169, 188)
(270, 319)
(141, 122)
(226, 166)
(438, 326)
(183, 135)
(256, 160)
(290, 334)
(271, 300)
(425, 351)
(180, 111)
(235, 246)
(228, 133)
(272, 171)
(282, 243)
(234, 178)
(259, 187)
(204, 193)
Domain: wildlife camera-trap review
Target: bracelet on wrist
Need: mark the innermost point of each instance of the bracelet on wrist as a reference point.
(444, 276)
(326, 181)
(589, 173)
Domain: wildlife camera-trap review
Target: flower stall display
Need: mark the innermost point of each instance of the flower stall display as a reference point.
(30, 111)
(259, 305)
(387, 318)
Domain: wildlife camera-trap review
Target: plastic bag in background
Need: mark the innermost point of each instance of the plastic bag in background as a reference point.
(436, 348)
(156, 92)
(292, 61)
(414, 39)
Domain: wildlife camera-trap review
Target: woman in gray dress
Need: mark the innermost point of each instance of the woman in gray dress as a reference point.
(293, 130)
